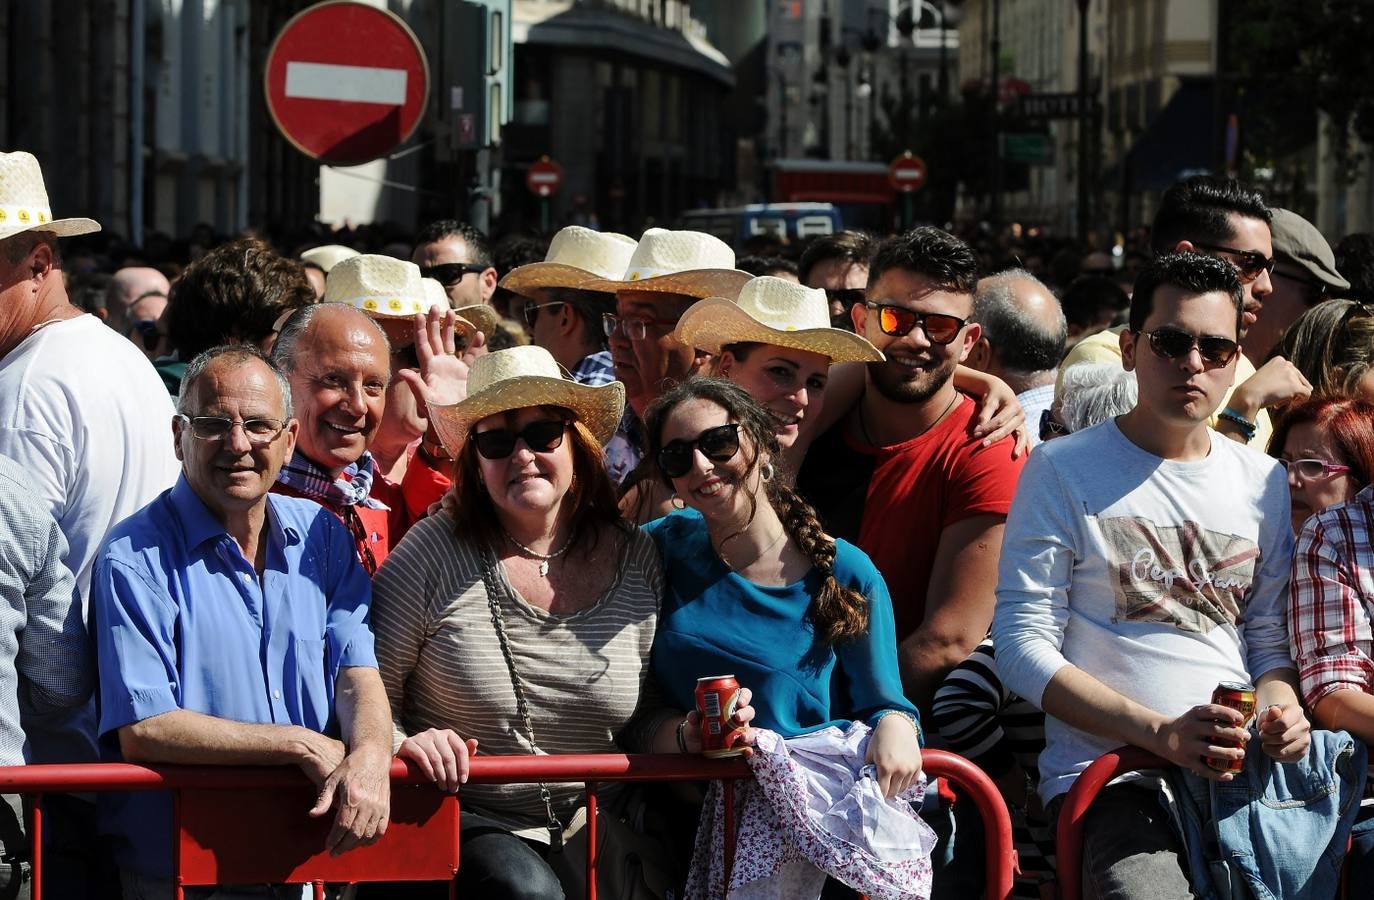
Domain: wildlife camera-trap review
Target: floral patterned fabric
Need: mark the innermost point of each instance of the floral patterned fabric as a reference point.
(813, 809)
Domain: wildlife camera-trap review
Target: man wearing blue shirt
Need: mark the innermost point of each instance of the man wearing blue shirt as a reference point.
(232, 625)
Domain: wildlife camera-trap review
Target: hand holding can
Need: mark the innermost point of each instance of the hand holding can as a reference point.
(1241, 698)
(717, 699)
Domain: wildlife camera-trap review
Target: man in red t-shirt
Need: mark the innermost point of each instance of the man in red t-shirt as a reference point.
(902, 476)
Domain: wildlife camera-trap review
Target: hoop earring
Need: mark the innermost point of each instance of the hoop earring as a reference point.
(677, 502)
(766, 472)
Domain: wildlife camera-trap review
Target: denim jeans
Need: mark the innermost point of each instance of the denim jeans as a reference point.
(1130, 848)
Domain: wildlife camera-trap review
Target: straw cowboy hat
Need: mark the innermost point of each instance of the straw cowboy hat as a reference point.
(24, 201)
(576, 254)
(678, 262)
(328, 256)
(483, 315)
(388, 289)
(520, 377)
(772, 311)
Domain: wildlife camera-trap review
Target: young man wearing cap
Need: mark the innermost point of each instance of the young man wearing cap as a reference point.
(86, 419)
(1304, 275)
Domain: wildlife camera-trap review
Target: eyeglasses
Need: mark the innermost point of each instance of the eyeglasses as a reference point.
(449, 274)
(540, 436)
(216, 428)
(1050, 427)
(1249, 263)
(897, 321)
(1312, 469)
(1175, 343)
(634, 329)
(531, 312)
(719, 444)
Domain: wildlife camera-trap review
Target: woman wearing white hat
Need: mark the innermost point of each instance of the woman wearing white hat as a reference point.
(520, 618)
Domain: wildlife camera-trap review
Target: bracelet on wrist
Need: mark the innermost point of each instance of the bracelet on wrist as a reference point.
(904, 714)
(1247, 427)
(681, 735)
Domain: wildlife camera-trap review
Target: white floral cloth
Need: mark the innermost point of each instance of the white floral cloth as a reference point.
(813, 809)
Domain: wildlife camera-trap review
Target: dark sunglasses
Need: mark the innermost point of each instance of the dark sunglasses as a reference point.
(531, 311)
(1249, 263)
(540, 436)
(1174, 343)
(1050, 427)
(897, 321)
(845, 296)
(449, 274)
(719, 444)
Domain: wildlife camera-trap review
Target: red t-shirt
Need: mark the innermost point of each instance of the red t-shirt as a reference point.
(894, 502)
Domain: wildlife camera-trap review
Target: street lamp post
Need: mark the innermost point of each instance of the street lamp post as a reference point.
(1084, 121)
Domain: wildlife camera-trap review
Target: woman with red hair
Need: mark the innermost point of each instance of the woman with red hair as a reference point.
(1327, 446)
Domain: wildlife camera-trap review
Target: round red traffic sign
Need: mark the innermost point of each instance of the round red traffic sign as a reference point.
(907, 173)
(346, 82)
(544, 178)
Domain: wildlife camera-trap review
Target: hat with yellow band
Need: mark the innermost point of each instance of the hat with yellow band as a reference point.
(24, 201)
(384, 287)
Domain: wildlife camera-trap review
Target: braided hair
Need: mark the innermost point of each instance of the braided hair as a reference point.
(838, 612)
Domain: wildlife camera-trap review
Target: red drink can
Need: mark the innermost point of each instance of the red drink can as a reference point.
(717, 696)
(1241, 698)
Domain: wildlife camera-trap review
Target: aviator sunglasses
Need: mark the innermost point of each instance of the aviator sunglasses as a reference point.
(540, 436)
(719, 444)
(1175, 343)
(897, 321)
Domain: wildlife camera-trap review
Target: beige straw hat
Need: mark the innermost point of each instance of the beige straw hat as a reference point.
(678, 262)
(328, 256)
(483, 315)
(576, 254)
(388, 289)
(24, 201)
(520, 377)
(772, 311)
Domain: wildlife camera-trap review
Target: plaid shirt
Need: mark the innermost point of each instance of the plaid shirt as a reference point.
(594, 369)
(1331, 600)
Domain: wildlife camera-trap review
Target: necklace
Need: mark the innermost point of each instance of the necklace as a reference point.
(863, 424)
(545, 557)
(757, 556)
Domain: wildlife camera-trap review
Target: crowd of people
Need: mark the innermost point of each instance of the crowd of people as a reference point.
(327, 507)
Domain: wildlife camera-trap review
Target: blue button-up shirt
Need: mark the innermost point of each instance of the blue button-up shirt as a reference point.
(183, 621)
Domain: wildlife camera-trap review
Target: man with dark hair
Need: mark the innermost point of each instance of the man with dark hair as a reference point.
(1355, 262)
(1128, 591)
(235, 294)
(458, 256)
(1023, 339)
(1092, 303)
(901, 475)
(838, 264)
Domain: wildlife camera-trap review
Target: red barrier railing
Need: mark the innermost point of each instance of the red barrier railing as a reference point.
(211, 803)
(1086, 787)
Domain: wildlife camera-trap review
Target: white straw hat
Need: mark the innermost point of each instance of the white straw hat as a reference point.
(24, 201)
(328, 256)
(576, 254)
(386, 288)
(772, 311)
(678, 262)
(483, 315)
(520, 377)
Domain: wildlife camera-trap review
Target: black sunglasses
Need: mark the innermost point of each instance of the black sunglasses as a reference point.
(846, 296)
(540, 436)
(449, 274)
(719, 444)
(897, 321)
(1249, 263)
(1050, 427)
(1174, 343)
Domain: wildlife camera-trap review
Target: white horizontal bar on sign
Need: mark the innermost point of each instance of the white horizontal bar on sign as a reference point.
(357, 84)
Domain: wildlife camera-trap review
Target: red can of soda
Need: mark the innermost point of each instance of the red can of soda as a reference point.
(717, 696)
(1241, 698)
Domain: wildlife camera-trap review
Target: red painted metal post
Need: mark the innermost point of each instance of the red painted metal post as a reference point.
(591, 840)
(36, 841)
(319, 890)
(727, 789)
(1086, 787)
(974, 783)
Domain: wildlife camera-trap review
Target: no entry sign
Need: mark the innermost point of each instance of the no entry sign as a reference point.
(544, 178)
(907, 173)
(346, 82)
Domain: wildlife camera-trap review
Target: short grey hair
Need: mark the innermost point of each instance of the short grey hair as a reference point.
(1090, 393)
(299, 322)
(17, 247)
(1020, 340)
(239, 354)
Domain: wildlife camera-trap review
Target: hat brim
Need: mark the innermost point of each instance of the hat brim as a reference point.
(716, 322)
(597, 407)
(401, 333)
(699, 283)
(481, 315)
(59, 227)
(540, 275)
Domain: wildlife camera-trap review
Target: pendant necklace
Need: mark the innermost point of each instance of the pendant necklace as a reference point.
(543, 557)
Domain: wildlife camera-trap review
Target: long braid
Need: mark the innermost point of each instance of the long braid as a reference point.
(841, 613)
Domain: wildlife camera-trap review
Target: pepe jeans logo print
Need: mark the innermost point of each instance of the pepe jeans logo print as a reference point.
(1181, 575)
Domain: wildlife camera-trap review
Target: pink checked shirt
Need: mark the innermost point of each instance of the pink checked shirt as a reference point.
(1331, 600)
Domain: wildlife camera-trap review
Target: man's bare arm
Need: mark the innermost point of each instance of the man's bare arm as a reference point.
(191, 738)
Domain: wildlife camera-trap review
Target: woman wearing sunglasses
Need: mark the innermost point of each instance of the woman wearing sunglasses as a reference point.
(757, 589)
(520, 618)
(1327, 446)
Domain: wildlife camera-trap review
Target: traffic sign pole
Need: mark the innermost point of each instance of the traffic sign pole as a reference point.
(907, 174)
(544, 178)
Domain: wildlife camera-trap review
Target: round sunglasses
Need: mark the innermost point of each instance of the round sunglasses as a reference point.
(1175, 343)
(719, 444)
(540, 436)
(897, 321)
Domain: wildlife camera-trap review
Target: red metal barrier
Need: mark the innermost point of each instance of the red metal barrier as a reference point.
(284, 783)
(1086, 787)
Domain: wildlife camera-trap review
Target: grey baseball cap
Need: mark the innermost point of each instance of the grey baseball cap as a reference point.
(1298, 241)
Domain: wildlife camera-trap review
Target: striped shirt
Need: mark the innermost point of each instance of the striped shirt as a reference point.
(440, 659)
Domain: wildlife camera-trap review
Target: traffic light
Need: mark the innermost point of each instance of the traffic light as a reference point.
(473, 96)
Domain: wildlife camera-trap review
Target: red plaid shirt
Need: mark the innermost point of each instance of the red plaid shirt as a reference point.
(1331, 600)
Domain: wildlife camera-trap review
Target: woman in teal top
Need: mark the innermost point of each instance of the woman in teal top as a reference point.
(757, 589)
